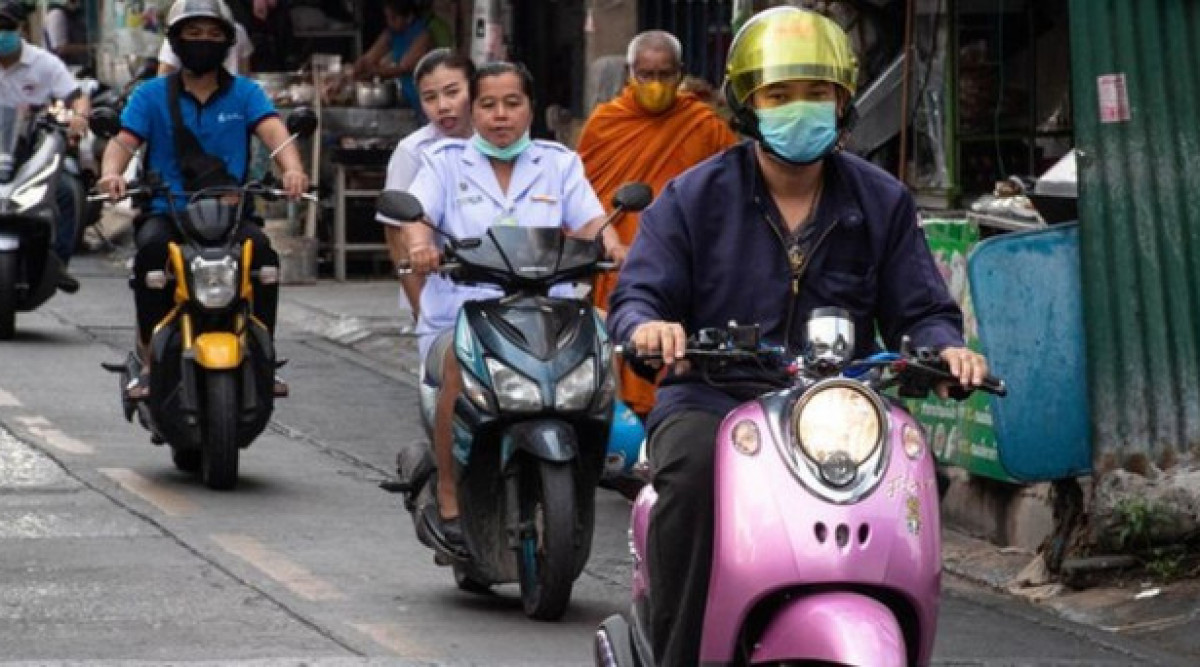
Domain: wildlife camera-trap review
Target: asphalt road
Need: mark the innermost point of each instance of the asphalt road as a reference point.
(108, 555)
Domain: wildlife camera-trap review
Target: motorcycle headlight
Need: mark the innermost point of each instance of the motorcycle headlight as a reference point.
(574, 391)
(838, 428)
(215, 282)
(475, 391)
(514, 392)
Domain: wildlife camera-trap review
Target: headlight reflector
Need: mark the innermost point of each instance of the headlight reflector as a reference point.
(746, 437)
(574, 390)
(215, 281)
(838, 428)
(514, 392)
(475, 391)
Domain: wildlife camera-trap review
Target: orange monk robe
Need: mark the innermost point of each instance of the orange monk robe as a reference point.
(622, 143)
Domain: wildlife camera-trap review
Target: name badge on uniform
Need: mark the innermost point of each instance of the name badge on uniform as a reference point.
(470, 199)
(545, 199)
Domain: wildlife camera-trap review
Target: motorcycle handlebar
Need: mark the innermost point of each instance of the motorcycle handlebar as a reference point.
(922, 370)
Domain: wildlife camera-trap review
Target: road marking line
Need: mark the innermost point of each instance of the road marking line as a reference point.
(294, 576)
(393, 637)
(61, 441)
(41, 428)
(168, 502)
(7, 400)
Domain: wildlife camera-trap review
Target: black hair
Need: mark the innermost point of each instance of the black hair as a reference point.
(443, 57)
(402, 7)
(499, 68)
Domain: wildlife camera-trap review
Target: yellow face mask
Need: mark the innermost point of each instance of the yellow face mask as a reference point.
(654, 96)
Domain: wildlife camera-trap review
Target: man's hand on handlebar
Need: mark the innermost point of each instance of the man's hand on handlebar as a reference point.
(113, 185)
(295, 183)
(657, 338)
(968, 366)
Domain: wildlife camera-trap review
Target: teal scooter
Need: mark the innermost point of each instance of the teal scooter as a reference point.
(532, 424)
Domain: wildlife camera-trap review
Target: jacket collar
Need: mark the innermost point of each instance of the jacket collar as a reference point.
(838, 200)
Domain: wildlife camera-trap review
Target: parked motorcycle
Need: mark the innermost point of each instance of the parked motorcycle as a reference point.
(212, 362)
(532, 423)
(32, 149)
(827, 544)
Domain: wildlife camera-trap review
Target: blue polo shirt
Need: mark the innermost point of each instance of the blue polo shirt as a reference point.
(223, 125)
(713, 248)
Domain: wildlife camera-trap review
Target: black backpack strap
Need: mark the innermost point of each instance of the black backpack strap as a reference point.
(200, 169)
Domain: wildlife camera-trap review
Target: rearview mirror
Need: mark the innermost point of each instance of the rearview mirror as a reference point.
(633, 197)
(302, 122)
(104, 122)
(399, 206)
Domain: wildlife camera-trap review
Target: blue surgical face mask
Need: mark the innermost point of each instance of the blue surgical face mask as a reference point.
(801, 132)
(506, 154)
(10, 42)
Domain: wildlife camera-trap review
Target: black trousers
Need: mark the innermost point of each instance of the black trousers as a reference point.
(681, 534)
(152, 234)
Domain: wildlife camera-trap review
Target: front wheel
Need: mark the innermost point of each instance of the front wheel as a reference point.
(219, 462)
(546, 550)
(8, 294)
(186, 460)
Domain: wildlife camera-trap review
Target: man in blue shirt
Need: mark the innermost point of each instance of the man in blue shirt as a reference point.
(222, 111)
(764, 233)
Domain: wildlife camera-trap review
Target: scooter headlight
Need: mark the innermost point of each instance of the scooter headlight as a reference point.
(838, 428)
(476, 392)
(215, 282)
(574, 391)
(514, 392)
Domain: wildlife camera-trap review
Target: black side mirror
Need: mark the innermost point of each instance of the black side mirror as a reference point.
(302, 122)
(399, 206)
(633, 197)
(104, 122)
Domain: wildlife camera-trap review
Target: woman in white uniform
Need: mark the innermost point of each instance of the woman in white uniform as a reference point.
(497, 177)
(443, 81)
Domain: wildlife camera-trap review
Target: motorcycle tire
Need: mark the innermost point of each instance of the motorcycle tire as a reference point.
(219, 461)
(186, 460)
(546, 551)
(8, 294)
(466, 582)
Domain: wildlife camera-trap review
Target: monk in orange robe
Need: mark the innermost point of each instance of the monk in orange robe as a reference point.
(650, 133)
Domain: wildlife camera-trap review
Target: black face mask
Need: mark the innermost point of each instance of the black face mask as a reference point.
(200, 56)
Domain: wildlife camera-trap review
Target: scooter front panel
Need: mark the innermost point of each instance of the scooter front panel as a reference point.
(773, 535)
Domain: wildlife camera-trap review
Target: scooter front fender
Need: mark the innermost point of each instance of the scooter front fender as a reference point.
(837, 627)
(218, 351)
(544, 439)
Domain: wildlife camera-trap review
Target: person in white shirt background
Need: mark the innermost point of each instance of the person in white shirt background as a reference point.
(443, 82)
(32, 76)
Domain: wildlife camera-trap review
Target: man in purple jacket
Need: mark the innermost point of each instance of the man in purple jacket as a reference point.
(764, 233)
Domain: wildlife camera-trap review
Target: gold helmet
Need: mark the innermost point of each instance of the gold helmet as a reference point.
(784, 44)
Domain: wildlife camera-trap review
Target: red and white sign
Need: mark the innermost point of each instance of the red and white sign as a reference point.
(1114, 99)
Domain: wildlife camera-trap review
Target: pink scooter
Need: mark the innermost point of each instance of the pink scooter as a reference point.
(827, 542)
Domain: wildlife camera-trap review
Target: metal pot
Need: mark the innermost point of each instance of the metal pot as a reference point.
(375, 93)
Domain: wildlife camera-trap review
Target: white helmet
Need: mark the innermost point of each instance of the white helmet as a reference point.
(184, 10)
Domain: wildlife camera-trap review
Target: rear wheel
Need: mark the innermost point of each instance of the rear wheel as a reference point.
(8, 295)
(186, 460)
(546, 551)
(219, 462)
